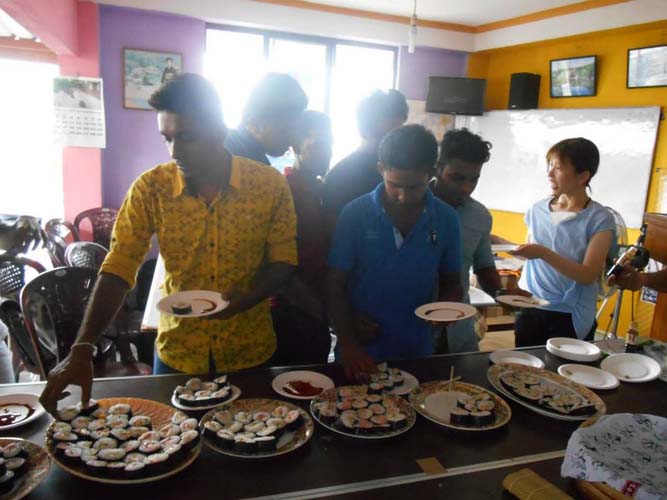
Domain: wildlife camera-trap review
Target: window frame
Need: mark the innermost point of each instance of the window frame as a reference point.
(328, 42)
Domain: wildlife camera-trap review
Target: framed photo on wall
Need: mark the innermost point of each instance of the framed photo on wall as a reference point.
(143, 73)
(574, 77)
(647, 67)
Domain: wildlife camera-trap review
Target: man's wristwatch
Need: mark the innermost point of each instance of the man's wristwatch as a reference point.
(92, 347)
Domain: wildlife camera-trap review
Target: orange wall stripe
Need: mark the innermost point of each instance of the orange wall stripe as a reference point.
(546, 14)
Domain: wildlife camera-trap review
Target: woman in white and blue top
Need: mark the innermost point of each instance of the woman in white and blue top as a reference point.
(569, 239)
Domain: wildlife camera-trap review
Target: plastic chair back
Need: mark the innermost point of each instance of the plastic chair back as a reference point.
(59, 234)
(13, 274)
(85, 254)
(102, 220)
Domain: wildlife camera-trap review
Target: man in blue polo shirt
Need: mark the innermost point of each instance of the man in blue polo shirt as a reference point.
(390, 248)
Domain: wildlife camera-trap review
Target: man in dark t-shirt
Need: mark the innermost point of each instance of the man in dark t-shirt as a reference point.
(357, 174)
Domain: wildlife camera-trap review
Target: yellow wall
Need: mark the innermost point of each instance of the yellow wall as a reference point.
(611, 48)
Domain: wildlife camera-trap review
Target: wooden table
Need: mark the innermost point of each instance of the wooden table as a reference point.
(331, 465)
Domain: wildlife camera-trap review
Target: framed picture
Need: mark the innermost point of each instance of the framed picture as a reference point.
(575, 77)
(647, 67)
(143, 73)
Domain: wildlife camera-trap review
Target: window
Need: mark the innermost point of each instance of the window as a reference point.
(335, 74)
(32, 163)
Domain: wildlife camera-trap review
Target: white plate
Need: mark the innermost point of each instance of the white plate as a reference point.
(630, 367)
(521, 301)
(314, 378)
(203, 303)
(516, 357)
(504, 248)
(573, 349)
(591, 377)
(31, 400)
(409, 383)
(445, 311)
(236, 392)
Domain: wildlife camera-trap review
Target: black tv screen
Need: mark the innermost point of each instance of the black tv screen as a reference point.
(456, 96)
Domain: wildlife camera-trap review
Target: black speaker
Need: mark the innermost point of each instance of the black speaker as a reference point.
(524, 91)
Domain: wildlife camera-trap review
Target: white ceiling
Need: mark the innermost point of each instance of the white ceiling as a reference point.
(468, 12)
(9, 27)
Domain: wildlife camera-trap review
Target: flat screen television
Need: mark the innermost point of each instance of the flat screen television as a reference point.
(456, 96)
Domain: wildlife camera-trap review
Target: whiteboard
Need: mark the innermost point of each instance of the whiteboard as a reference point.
(515, 176)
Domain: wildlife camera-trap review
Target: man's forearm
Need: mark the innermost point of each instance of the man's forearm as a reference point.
(489, 280)
(266, 282)
(107, 298)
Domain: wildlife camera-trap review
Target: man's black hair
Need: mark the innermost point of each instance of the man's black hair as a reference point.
(379, 106)
(462, 144)
(310, 122)
(276, 96)
(189, 94)
(410, 147)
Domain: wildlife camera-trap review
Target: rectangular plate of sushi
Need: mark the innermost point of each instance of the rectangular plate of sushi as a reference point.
(123, 440)
(355, 411)
(256, 428)
(392, 380)
(461, 406)
(198, 394)
(545, 392)
(23, 466)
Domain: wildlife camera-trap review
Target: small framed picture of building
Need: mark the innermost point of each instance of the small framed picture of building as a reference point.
(143, 73)
(574, 77)
(647, 67)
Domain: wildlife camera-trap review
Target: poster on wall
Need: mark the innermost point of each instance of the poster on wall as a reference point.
(436, 122)
(79, 112)
(143, 73)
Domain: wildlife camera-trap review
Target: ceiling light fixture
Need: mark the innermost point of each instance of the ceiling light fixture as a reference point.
(412, 33)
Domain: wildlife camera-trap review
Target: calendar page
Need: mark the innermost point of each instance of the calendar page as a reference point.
(79, 112)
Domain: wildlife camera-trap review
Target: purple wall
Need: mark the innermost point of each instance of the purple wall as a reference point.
(133, 142)
(414, 69)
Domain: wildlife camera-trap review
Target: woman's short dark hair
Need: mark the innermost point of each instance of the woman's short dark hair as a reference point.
(378, 106)
(410, 147)
(275, 97)
(189, 94)
(462, 144)
(580, 152)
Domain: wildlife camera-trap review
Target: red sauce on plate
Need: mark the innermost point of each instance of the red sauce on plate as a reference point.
(7, 417)
(301, 388)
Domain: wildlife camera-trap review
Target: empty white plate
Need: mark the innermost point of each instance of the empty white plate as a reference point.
(630, 367)
(521, 301)
(314, 379)
(573, 349)
(201, 302)
(19, 409)
(445, 311)
(516, 357)
(591, 377)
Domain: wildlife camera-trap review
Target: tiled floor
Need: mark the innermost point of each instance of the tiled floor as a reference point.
(497, 340)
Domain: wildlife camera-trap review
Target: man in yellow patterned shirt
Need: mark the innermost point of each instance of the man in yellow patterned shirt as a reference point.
(223, 223)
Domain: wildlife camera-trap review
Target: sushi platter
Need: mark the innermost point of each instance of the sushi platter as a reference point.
(23, 465)
(256, 428)
(123, 440)
(460, 406)
(545, 392)
(197, 394)
(358, 412)
(392, 380)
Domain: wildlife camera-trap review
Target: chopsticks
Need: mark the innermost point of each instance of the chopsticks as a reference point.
(452, 378)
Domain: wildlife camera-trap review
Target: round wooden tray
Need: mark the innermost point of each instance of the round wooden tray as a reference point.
(160, 415)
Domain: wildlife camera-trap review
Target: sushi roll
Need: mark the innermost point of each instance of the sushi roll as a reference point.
(194, 384)
(111, 454)
(121, 409)
(375, 388)
(169, 430)
(68, 413)
(344, 405)
(189, 439)
(88, 454)
(243, 417)
(278, 423)
(261, 416)
(460, 416)
(135, 457)
(67, 437)
(209, 386)
(359, 403)
(387, 385)
(481, 418)
(364, 426)
(14, 450)
(397, 421)
(116, 469)
(397, 380)
(280, 411)
(173, 450)
(170, 440)
(224, 417)
(135, 470)
(225, 439)
(211, 428)
(61, 427)
(137, 432)
(347, 423)
(486, 405)
(87, 409)
(178, 418)
(188, 399)
(365, 413)
(97, 424)
(181, 389)
(328, 413)
(80, 422)
(96, 467)
(181, 308)
(373, 398)
(269, 430)
(140, 421)
(3, 467)
(72, 454)
(98, 413)
(377, 409)
(131, 445)
(220, 396)
(84, 444)
(156, 463)
(17, 465)
(383, 368)
(380, 420)
(235, 427)
(346, 393)
(105, 443)
(254, 427)
(221, 381)
(266, 443)
(150, 436)
(60, 448)
(245, 442)
(150, 447)
(189, 424)
(6, 482)
(121, 435)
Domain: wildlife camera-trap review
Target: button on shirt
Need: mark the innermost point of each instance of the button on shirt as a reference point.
(570, 239)
(211, 247)
(388, 281)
